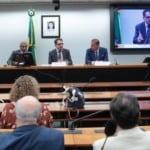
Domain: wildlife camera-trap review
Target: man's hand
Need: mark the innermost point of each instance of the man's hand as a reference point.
(140, 38)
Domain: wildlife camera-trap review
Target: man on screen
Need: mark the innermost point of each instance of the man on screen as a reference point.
(12, 59)
(142, 30)
(96, 53)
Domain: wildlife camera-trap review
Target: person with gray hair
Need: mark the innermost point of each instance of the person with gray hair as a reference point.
(12, 60)
(27, 112)
(28, 135)
(125, 111)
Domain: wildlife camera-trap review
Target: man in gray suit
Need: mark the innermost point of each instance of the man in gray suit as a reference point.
(59, 53)
(12, 60)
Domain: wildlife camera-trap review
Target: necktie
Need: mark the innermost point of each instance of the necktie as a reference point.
(96, 55)
(148, 35)
(59, 54)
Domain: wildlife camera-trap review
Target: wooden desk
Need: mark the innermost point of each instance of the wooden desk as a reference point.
(94, 86)
(89, 96)
(61, 114)
(77, 73)
(83, 140)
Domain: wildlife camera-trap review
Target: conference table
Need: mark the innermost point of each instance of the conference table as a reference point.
(65, 115)
(87, 77)
(77, 73)
(82, 141)
(94, 86)
(89, 96)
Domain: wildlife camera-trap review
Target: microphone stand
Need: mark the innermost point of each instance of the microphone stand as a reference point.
(72, 126)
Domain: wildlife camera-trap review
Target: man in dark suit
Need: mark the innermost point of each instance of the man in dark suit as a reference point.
(27, 135)
(59, 53)
(12, 60)
(142, 30)
(96, 53)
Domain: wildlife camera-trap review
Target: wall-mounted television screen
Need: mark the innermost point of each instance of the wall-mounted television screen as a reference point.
(130, 28)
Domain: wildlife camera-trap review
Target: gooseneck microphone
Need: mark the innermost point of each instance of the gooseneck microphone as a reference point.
(50, 75)
(72, 125)
(115, 62)
(110, 129)
(89, 81)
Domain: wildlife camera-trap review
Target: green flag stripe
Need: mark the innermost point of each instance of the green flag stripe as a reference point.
(31, 37)
(117, 26)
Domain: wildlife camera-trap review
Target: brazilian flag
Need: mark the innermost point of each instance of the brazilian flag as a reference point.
(117, 26)
(31, 34)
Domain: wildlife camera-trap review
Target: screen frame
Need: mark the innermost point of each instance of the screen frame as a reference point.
(26, 58)
(112, 32)
(29, 60)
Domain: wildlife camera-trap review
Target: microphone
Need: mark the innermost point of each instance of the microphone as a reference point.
(72, 125)
(51, 76)
(110, 129)
(86, 84)
(115, 62)
(89, 81)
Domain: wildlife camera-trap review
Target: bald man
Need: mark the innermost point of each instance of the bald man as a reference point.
(28, 135)
(12, 59)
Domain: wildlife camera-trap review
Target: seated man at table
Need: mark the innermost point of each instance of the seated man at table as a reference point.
(59, 54)
(23, 48)
(28, 135)
(126, 111)
(96, 53)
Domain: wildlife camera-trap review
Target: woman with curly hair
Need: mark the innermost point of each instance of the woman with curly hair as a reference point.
(25, 85)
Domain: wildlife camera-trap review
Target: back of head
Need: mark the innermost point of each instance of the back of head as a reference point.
(125, 110)
(23, 86)
(28, 110)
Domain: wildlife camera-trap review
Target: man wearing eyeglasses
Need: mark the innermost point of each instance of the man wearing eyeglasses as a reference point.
(142, 30)
(59, 54)
(12, 59)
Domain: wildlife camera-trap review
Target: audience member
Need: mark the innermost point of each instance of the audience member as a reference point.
(125, 110)
(25, 85)
(27, 135)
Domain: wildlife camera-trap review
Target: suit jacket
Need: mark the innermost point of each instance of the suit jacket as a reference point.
(90, 55)
(140, 28)
(132, 139)
(31, 137)
(54, 58)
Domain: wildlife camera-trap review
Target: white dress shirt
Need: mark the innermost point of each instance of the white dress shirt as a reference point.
(131, 139)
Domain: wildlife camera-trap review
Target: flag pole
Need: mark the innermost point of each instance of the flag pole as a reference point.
(31, 34)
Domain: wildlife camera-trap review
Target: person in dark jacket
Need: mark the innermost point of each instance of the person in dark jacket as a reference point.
(28, 135)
